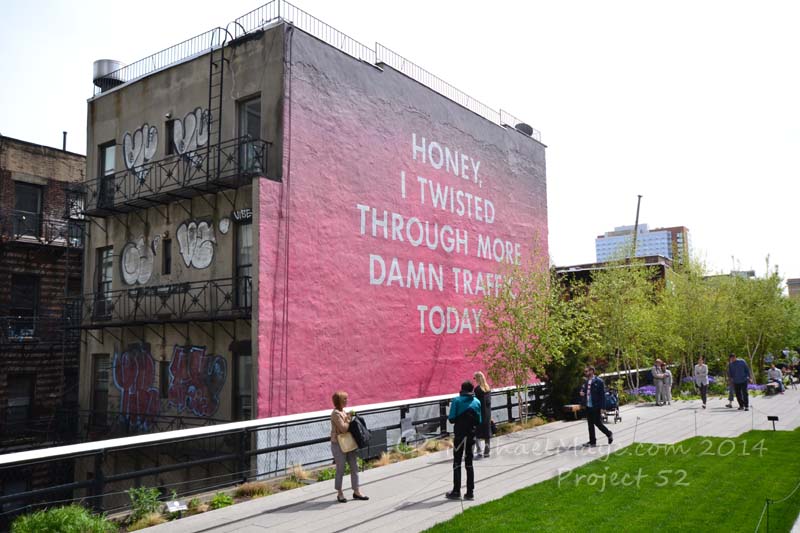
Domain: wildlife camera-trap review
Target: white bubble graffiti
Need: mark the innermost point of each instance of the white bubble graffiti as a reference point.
(191, 132)
(137, 262)
(139, 148)
(197, 242)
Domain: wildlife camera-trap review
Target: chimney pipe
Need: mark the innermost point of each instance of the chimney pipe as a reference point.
(64, 143)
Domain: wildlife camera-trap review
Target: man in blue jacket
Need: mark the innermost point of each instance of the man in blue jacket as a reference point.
(593, 397)
(465, 415)
(740, 376)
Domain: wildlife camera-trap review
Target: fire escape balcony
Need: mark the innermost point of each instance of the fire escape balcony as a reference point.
(19, 331)
(207, 169)
(24, 228)
(194, 301)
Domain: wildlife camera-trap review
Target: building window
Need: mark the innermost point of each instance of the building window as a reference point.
(250, 130)
(24, 306)
(163, 379)
(166, 255)
(243, 381)
(169, 129)
(27, 210)
(100, 372)
(19, 400)
(105, 278)
(108, 156)
(244, 264)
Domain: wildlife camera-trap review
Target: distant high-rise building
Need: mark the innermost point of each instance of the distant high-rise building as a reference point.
(793, 284)
(672, 243)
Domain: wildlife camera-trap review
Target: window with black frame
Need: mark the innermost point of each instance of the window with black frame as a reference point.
(244, 264)
(250, 157)
(107, 161)
(105, 279)
(24, 307)
(27, 210)
(100, 378)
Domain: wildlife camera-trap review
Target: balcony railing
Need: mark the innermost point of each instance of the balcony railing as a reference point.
(230, 164)
(216, 299)
(36, 329)
(33, 228)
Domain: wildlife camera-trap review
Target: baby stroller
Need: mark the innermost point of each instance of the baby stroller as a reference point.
(611, 407)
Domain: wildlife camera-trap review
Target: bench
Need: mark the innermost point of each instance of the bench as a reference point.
(573, 408)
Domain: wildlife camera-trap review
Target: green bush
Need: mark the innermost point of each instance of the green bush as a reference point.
(326, 473)
(144, 501)
(69, 519)
(220, 500)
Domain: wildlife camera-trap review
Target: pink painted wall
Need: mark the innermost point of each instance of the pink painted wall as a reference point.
(330, 317)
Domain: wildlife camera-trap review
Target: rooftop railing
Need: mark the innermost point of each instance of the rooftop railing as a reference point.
(276, 10)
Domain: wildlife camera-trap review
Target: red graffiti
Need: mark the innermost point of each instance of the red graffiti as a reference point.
(196, 380)
(134, 374)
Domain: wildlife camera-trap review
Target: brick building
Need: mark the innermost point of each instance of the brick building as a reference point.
(41, 258)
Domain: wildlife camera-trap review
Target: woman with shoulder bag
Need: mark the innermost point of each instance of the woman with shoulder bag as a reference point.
(343, 447)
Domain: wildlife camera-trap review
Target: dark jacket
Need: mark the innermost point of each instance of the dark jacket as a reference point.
(738, 371)
(598, 393)
(465, 414)
(484, 430)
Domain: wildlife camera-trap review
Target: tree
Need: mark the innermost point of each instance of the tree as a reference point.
(526, 325)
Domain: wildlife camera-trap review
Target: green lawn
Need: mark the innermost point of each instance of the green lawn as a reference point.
(701, 484)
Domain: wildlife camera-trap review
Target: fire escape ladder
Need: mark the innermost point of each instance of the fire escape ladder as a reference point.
(216, 77)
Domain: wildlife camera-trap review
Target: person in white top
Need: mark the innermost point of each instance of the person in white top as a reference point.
(667, 388)
(775, 375)
(658, 381)
(701, 378)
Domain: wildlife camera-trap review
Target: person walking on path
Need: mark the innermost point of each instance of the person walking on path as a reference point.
(658, 381)
(667, 383)
(740, 376)
(593, 396)
(731, 389)
(484, 432)
(340, 424)
(700, 376)
(465, 415)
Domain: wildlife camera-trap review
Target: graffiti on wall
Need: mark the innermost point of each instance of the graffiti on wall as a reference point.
(191, 132)
(195, 380)
(137, 262)
(139, 148)
(197, 242)
(134, 375)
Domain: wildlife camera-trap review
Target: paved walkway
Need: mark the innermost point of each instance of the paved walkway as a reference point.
(409, 496)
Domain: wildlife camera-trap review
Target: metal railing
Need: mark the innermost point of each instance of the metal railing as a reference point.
(214, 299)
(36, 329)
(260, 17)
(231, 448)
(32, 425)
(197, 45)
(33, 228)
(178, 176)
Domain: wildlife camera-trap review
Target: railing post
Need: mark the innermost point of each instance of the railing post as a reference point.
(509, 407)
(403, 411)
(244, 467)
(443, 418)
(99, 482)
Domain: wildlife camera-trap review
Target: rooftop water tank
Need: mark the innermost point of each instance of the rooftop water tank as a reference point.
(106, 74)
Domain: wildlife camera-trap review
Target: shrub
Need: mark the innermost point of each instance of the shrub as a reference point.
(326, 473)
(148, 520)
(289, 484)
(298, 473)
(220, 500)
(195, 506)
(144, 501)
(253, 489)
(69, 519)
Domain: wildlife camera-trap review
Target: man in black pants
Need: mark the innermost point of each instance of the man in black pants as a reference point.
(593, 397)
(465, 414)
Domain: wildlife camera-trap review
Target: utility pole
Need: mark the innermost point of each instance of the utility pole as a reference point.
(636, 226)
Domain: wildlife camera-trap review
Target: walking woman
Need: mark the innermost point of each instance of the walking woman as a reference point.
(666, 388)
(484, 431)
(701, 378)
(340, 424)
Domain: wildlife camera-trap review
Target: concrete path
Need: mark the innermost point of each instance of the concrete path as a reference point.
(409, 496)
